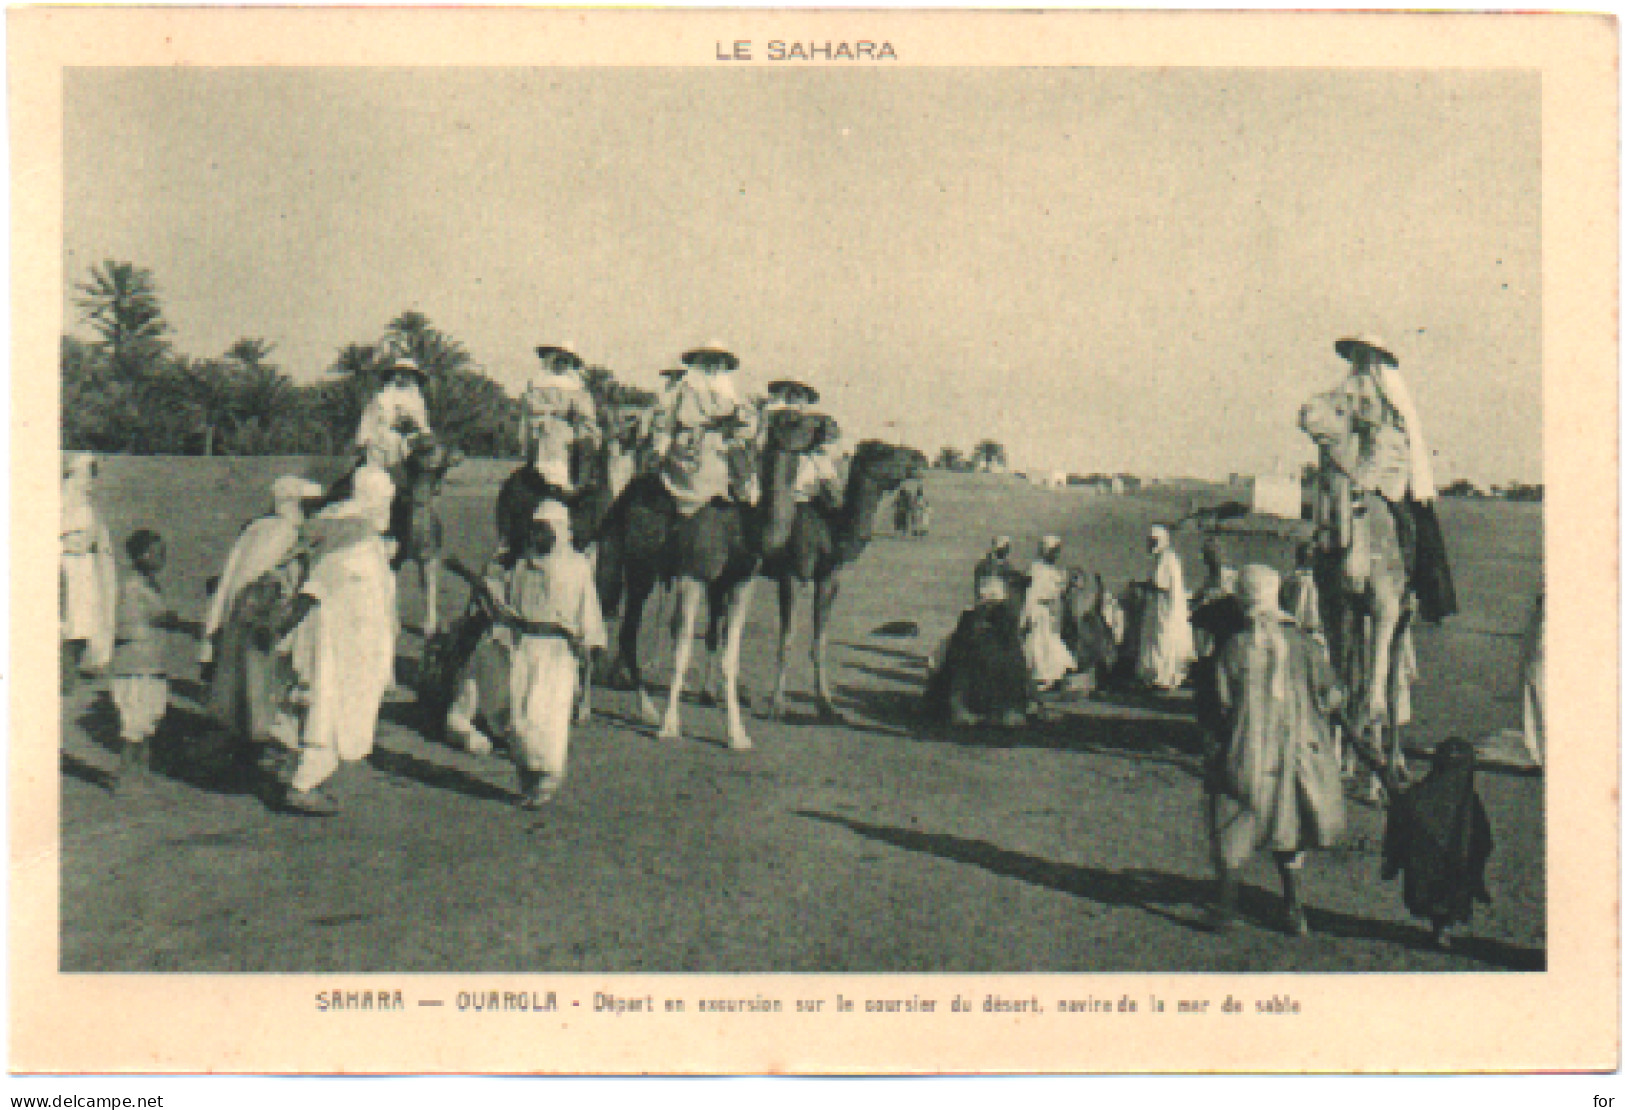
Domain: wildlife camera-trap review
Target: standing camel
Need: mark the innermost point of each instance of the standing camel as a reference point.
(822, 541)
(1365, 596)
(414, 519)
(712, 556)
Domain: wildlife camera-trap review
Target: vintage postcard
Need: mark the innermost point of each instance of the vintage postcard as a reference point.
(805, 542)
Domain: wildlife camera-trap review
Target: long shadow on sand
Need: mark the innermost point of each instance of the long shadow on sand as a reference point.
(1159, 893)
(1172, 741)
(188, 746)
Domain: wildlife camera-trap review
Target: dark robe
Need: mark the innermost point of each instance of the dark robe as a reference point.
(1221, 618)
(1438, 838)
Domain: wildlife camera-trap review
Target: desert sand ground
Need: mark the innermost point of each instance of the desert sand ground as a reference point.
(884, 845)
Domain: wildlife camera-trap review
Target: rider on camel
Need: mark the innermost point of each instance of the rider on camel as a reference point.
(818, 478)
(1394, 462)
(711, 432)
(394, 416)
(557, 413)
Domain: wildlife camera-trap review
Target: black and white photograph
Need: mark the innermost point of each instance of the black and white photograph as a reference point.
(819, 515)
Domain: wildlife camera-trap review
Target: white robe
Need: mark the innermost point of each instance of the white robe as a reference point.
(89, 576)
(381, 432)
(1047, 656)
(263, 546)
(1167, 646)
(344, 650)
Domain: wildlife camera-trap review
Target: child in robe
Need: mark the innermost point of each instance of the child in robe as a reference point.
(140, 672)
(1438, 838)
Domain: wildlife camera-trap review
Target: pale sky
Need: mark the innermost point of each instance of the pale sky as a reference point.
(1106, 270)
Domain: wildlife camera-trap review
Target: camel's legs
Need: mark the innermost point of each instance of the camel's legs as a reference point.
(429, 575)
(787, 624)
(584, 689)
(690, 592)
(638, 588)
(715, 619)
(738, 605)
(825, 591)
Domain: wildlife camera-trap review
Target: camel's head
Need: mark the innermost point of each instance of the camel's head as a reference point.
(431, 458)
(888, 463)
(622, 424)
(794, 430)
(1327, 418)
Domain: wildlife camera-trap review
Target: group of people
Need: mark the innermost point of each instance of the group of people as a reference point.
(300, 632)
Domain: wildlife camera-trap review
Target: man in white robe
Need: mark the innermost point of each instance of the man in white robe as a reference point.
(1047, 656)
(89, 573)
(1167, 646)
(261, 547)
(344, 646)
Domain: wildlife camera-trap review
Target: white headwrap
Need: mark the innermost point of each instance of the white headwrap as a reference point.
(291, 488)
(1259, 587)
(1421, 460)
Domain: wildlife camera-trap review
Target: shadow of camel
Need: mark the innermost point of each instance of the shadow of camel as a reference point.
(917, 657)
(1173, 741)
(1157, 892)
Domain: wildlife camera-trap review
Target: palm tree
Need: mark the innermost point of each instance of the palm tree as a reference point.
(209, 389)
(120, 302)
(988, 455)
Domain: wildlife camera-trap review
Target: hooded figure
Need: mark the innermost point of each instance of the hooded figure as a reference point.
(89, 572)
(552, 604)
(260, 575)
(1438, 838)
(1274, 781)
(1167, 646)
(344, 646)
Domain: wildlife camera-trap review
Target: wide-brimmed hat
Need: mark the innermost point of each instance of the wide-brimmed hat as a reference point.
(397, 364)
(673, 372)
(792, 392)
(565, 350)
(1348, 345)
(713, 349)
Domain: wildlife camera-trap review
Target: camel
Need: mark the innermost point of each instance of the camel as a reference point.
(712, 556)
(1366, 599)
(821, 542)
(1090, 622)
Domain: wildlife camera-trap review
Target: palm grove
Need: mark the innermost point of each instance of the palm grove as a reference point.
(130, 390)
